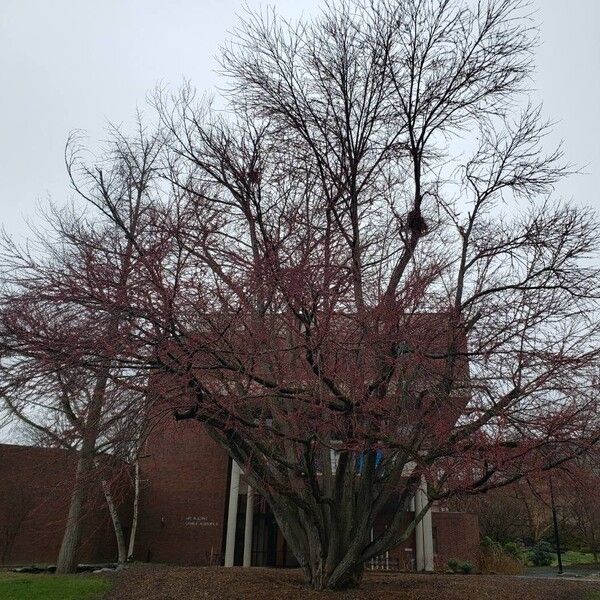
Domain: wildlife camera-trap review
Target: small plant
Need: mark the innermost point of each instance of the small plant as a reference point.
(514, 550)
(542, 555)
(466, 567)
(459, 566)
(504, 558)
(453, 565)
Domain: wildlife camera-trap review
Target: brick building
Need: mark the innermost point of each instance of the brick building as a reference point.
(193, 507)
(35, 490)
(189, 489)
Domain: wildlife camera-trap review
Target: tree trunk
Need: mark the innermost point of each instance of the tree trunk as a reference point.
(330, 559)
(67, 557)
(327, 572)
(116, 521)
(134, 519)
(122, 551)
(328, 527)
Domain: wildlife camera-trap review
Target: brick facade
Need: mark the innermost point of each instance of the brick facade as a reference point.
(35, 491)
(184, 495)
(456, 536)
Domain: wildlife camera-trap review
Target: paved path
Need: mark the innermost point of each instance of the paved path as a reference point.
(570, 573)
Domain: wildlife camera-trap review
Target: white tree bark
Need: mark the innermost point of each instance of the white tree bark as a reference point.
(118, 527)
(134, 519)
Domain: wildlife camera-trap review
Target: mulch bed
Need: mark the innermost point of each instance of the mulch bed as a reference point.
(159, 582)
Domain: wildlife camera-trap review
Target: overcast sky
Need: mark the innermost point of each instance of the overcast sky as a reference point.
(76, 64)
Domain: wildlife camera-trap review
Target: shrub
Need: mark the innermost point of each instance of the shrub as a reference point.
(506, 558)
(514, 549)
(541, 555)
(488, 542)
(466, 567)
(500, 563)
(453, 565)
(460, 566)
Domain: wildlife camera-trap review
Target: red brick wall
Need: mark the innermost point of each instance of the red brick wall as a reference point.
(183, 500)
(35, 490)
(457, 537)
(183, 496)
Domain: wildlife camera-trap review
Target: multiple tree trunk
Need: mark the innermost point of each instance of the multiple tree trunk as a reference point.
(315, 270)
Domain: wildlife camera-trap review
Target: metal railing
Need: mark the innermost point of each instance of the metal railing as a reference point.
(383, 563)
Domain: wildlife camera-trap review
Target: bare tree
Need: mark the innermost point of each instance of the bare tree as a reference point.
(578, 498)
(349, 295)
(64, 321)
(346, 281)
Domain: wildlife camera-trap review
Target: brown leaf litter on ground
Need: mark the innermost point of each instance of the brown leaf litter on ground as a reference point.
(160, 582)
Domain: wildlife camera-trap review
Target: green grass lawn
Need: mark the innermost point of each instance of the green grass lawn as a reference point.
(16, 586)
(575, 558)
(571, 559)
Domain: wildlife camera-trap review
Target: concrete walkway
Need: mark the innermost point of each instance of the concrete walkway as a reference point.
(583, 573)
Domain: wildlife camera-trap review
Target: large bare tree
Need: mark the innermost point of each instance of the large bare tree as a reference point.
(369, 264)
(64, 322)
(359, 279)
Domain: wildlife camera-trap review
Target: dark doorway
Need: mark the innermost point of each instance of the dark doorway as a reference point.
(269, 548)
(264, 544)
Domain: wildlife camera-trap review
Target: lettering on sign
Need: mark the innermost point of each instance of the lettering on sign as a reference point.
(199, 521)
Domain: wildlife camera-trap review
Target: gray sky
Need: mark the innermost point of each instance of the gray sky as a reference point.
(76, 64)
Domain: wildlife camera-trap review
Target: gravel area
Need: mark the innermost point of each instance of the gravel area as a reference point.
(159, 582)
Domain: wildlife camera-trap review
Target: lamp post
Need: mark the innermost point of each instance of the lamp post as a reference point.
(555, 523)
